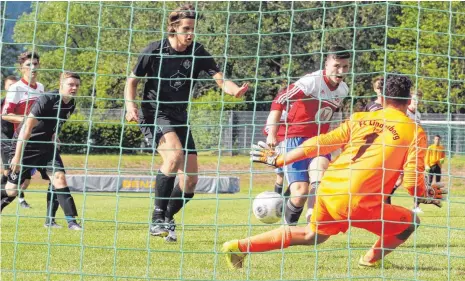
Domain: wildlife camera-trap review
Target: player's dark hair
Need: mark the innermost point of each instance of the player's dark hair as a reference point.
(186, 11)
(69, 74)
(11, 78)
(28, 56)
(338, 52)
(397, 90)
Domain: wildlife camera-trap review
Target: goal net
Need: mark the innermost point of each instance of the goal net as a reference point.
(269, 44)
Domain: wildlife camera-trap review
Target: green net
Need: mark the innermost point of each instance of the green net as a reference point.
(270, 45)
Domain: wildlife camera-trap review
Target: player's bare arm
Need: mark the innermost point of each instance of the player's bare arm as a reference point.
(130, 92)
(229, 87)
(319, 145)
(272, 124)
(13, 118)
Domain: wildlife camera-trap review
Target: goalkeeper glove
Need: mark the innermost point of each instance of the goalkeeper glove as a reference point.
(433, 194)
(262, 153)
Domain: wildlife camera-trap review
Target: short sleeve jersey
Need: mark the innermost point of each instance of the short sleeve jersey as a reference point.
(171, 74)
(52, 113)
(21, 97)
(377, 146)
(310, 103)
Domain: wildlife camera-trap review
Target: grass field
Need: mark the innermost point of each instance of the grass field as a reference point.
(116, 245)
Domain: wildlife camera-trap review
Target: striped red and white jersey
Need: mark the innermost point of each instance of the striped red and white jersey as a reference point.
(21, 97)
(310, 103)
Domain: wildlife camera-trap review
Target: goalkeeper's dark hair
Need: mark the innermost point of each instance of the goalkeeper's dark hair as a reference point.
(338, 52)
(397, 90)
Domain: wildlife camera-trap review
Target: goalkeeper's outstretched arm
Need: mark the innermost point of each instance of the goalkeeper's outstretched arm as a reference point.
(319, 145)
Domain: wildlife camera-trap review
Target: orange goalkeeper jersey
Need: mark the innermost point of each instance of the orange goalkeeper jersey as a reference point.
(377, 146)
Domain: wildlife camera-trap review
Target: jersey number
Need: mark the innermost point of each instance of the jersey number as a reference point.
(369, 139)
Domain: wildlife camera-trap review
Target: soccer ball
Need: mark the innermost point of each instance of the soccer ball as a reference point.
(268, 206)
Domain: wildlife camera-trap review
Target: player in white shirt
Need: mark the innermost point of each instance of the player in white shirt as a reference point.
(310, 103)
(18, 102)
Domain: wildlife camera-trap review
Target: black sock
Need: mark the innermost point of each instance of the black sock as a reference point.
(6, 199)
(388, 199)
(21, 194)
(163, 187)
(66, 202)
(278, 188)
(4, 179)
(52, 203)
(177, 202)
(292, 213)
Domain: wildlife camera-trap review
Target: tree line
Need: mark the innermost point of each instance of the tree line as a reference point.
(269, 44)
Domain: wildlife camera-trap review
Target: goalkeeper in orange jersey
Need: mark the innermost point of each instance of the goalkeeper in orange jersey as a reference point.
(376, 146)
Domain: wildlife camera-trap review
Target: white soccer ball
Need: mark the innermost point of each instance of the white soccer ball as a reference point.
(268, 207)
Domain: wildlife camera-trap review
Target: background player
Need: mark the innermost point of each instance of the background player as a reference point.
(383, 140)
(434, 159)
(47, 116)
(19, 100)
(310, 103)
(376, 104)
(7, 133)
(163, 117)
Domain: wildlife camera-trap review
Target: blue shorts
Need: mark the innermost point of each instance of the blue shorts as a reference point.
(298, 171)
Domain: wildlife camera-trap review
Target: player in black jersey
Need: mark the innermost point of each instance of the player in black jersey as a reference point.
(33, 147)
(376, 104)
(171, 67)
(7, 134)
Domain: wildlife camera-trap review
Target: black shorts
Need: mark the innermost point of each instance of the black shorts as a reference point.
(42, 159)
(154, 130)
(6, 150)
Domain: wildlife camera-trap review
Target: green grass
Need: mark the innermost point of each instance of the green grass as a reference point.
(116, 245)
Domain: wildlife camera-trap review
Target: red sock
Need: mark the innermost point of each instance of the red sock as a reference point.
(272, 240)
(389, 244)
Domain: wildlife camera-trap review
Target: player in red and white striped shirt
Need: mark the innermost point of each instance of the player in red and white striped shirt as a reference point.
(22, 94)
(19, 100)
(310, 103)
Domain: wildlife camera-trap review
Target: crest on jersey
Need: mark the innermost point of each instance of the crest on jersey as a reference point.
(324, 114)
(177, 80)
(187, 64)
